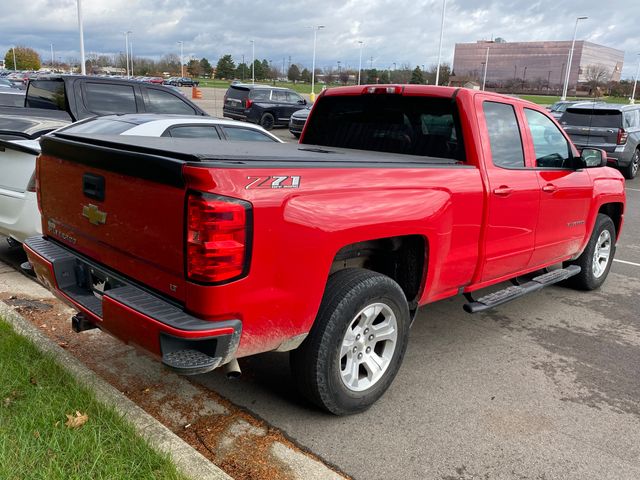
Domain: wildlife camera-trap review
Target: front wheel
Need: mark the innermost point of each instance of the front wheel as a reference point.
(595, 261)
(357, 342)
(631, 170)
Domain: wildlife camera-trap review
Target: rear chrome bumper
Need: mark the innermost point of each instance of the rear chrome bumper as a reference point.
(128, 311)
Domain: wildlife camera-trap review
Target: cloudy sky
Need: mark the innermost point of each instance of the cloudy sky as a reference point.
(393, 31)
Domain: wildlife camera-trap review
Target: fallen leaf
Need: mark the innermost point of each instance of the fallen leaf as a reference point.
(76, 421)
(36, 434)
(33, 381)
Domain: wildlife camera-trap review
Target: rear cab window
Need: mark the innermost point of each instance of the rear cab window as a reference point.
(47, 94)
(412, 125)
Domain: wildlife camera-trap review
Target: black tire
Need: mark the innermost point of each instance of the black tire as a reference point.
(586, 279)
(297, 135)
(631, 170)
(267, 121)
(316, 365)
(179, 84)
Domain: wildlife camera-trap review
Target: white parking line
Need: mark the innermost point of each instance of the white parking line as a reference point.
(633, 189)
(626, 263)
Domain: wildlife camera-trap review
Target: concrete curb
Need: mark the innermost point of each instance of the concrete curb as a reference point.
(189, 461)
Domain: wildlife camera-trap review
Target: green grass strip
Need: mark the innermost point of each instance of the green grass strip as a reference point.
(35, 396)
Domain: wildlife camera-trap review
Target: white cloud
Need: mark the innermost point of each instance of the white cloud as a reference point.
(393, 31)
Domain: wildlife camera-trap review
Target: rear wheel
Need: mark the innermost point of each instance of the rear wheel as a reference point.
(595, 261)
(631, 170)
(357, 342)
(267, 121)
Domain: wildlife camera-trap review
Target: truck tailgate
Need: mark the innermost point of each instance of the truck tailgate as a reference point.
(124, 215)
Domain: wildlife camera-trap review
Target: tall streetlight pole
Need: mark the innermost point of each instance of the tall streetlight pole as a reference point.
(253, 61)
(486, 65)
(444, 7)
(360, 63)
(126, 50)
(313, 62)
(83, 69)
(635, 83)
(568, 72)
(52, 57)
(181, 43)
(131, 57)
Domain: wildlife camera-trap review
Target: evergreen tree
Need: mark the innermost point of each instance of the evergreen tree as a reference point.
(226, 67)
(372, 76)
(243, 72)
(417, 77)
(294, 73)
(206, 67)
(265, 71)
(305, 76)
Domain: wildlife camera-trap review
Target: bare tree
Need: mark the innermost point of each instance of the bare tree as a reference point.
(596, 75)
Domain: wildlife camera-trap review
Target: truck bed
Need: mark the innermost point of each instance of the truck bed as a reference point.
(170, 154)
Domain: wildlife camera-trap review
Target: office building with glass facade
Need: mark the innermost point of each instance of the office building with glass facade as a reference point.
(541, 63)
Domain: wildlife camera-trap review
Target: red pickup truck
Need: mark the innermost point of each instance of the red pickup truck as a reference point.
(397, 196)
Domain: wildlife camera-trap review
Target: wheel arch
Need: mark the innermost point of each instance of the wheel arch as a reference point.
(615, 211)
(403, 258)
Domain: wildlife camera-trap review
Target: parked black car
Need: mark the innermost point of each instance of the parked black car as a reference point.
(183, 82)
(615, 128)
(261, 104)
(297, 121)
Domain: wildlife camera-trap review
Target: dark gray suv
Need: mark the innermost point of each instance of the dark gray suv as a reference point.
(615, 128)
(261, 104)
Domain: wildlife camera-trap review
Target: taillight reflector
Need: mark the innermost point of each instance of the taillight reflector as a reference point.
(247, 102)
(217, 238)
(397, 89)
(622, 137)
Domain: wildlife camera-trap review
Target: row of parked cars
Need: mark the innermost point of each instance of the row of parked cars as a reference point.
(73, 104)
(614, 128)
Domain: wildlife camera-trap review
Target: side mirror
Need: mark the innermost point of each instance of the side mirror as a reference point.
(593, 157)
(302, 102)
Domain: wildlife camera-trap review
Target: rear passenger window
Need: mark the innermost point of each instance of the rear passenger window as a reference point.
(193, 131)
(504, 135)
(246, 135)
(551, 148)
(279, 96)
(165, 102)
(105, 98)
(631, 119)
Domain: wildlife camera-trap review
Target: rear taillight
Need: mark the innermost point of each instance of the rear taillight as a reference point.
(31, 186)
(622, 137)
(217, 238)
(248, 102)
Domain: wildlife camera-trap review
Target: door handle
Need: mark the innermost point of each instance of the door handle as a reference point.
(503, 191)
(549, 188)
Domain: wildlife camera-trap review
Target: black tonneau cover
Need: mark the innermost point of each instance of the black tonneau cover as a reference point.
(161, 159)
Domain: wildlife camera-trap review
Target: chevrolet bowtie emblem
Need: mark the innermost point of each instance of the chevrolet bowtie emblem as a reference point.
(94, 215)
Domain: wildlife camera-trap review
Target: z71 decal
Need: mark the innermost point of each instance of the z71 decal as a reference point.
(275, 181)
